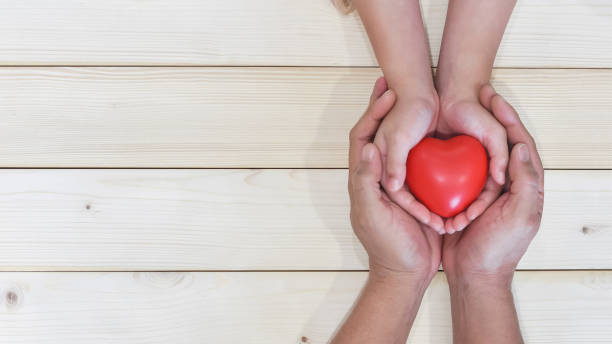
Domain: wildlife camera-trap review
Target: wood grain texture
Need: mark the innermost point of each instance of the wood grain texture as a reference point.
(257, 117)
(543, 33)
(268, 307)
(130, 220)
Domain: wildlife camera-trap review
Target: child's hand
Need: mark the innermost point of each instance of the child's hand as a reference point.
(469, 116)
(407, 123)
(495, 242)
(396, 243)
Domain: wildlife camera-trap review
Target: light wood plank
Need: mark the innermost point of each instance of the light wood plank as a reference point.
(268, 307)
(546, 33)
(257, 117)
(243, 219)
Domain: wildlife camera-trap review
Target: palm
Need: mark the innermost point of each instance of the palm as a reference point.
(473, 119)
(477, 247)
(415, 243)
(395, 239)
(496, 240)
(464, 118)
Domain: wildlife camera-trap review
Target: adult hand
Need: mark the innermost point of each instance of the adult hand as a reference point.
(407, 123)
(395, 241)
(493, 244)
(472, 118)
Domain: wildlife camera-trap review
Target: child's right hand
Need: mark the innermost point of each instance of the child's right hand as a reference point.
(410, 119)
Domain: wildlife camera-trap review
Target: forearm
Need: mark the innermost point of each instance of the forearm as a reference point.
(483, 312)
(472, 34)
(385, 310)
(397, 34)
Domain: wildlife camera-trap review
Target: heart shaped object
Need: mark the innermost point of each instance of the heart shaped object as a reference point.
(447, 175)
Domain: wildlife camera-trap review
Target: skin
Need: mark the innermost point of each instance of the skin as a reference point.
(396, 31)
(480, 261)
(472, 34)
(404, 254)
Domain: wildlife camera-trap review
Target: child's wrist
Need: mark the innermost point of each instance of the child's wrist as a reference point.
(450, 97)
(428, 97)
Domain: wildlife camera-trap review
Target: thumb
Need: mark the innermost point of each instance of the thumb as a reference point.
(525, 187)
(526, 195)
(521, 168)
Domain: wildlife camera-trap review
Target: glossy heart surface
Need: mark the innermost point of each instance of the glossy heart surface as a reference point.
(447, 175)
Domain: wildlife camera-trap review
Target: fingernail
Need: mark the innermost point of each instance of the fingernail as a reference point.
(523, 152)
(387, 93)
(368, 153)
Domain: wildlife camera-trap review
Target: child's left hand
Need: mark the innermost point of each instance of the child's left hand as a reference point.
(470, 117)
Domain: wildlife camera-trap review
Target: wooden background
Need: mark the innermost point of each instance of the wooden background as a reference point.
(174, 171)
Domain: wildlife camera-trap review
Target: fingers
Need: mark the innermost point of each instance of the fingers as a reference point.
(436, 223)
(407, 201)
(474, 119)
(457, 223)
(484, 200)
(516, 131)
(365, 180)
(380, 86)
(508, 117)
(382, 101)
(487, 92)
(494, 139)
(488, 195)
(403, 130)
(395, 163)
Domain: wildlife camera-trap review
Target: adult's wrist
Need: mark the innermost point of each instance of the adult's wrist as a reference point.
(479, 283)
(416, 280)
(483, 299)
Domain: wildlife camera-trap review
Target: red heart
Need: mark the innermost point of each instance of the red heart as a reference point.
(447, 175)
